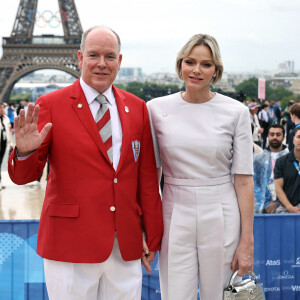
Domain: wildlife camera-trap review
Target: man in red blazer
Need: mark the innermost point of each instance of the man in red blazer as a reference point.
(96, 207)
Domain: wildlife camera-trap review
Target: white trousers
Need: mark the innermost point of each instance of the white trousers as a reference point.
(201, 234)
(114, 279)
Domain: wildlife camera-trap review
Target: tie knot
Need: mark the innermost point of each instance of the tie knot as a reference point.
(101, 99)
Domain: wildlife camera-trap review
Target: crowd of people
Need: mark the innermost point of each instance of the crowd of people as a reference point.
(276, 151)
(8, 112)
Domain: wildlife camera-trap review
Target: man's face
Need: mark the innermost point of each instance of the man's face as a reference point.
(297, 140)
(100, 60)
(275, 137)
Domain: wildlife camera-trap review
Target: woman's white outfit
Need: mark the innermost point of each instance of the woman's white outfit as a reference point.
(199, 147)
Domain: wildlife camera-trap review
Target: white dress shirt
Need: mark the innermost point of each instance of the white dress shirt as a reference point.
(263, 115)
(90, 95)
(254, 120)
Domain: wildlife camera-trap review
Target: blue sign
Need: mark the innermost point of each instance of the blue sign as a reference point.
(276, 260)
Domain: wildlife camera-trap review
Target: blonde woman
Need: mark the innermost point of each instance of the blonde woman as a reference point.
(201, 138)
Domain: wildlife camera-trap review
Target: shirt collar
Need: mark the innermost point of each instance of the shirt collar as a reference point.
(91, 94)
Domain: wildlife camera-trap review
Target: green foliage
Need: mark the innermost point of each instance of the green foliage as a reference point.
(286, 100)
(278, 94)
(250, 88)
(135, 88)
(147, 91)
(20, 96)
(120, 86)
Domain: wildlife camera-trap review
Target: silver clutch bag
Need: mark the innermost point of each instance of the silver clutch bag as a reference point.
(248, 289)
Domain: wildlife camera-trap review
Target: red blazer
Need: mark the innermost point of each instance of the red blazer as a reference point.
(78, 222)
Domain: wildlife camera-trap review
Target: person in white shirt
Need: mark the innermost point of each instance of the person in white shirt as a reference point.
(257, 130)
(5, 136)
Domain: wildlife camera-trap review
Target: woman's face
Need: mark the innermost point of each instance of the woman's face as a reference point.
(198, 68)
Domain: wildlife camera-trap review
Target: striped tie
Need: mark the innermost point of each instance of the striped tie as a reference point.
(104, 126)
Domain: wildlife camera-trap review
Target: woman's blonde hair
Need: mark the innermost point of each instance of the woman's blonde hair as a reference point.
(208, 41)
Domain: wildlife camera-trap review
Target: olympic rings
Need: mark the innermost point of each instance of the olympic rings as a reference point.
(47, 18)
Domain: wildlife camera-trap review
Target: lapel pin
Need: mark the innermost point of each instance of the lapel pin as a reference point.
(164, 114)
(79, 105)
(126, 109)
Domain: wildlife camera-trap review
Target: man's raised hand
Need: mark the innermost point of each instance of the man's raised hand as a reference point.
(27, 136)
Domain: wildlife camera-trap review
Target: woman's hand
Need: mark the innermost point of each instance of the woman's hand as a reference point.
(243, 258)
(27, 136)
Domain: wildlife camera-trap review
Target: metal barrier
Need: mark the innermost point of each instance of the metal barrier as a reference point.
(276, 253)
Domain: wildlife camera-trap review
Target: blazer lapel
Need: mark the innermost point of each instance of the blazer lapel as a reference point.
(124, 113)
(84, 114)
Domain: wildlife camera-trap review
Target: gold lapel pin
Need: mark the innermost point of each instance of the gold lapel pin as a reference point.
(126, 109)
(79, 105)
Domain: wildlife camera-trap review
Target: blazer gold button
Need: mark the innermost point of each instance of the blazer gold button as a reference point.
(112, 208)
(115, 180)
(79, 105)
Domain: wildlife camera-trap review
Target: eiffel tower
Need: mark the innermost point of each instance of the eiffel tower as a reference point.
(24, 53)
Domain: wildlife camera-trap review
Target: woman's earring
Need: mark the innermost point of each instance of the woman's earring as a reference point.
(214, 75)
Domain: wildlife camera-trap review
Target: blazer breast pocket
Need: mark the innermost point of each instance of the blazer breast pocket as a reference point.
(63, 210)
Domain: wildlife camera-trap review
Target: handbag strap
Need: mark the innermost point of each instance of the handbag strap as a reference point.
(253, 276)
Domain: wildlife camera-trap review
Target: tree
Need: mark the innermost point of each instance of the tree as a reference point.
(278, 94)
(286, 100)
(148, 91)
(16, 98)
(248, 87)
(135, 88)
(120, 86)
(152, 90)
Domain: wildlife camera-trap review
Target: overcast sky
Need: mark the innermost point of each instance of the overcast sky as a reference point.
(252, 34)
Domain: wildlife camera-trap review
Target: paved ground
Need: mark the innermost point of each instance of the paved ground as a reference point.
(21, 202)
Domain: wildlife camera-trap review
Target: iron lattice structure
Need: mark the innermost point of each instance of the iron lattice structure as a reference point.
(24, 53)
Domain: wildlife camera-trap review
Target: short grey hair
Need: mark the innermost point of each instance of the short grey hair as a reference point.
(208, 41)
(85, 34)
